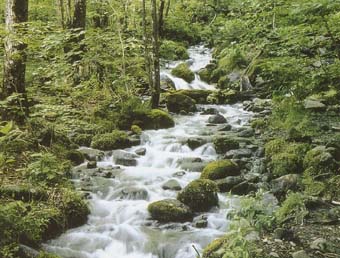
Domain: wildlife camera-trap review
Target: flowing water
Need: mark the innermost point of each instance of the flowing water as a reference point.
(119, 225)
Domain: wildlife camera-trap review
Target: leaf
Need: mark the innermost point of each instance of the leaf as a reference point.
(7, 128)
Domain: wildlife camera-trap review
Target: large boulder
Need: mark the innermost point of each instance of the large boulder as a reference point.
(200, 195)
(170, 210)
(223, 144)
(183, 71)
(200, 96)
(217, 119)
(172, 184)
(111, 141)
(179, 102)
(220, 169)
(167, 84)
(157, 119)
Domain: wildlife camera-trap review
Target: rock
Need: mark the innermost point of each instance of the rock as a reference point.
(223, 144)
(225, 128)
(167, 84)
(259, 105)
(247, 133)
(126, 162)
(217, 119)
(140, 151)
(193, 166)
(284, 234)
(157, 119)
(194, 143)
(134, 193)
(220, 169)
(200, 195)
(170, 210)
(274, 255)
(201, 221)
(210, 111)
(27, 252)
(260, 152)
(300, 254)
(92, 154)
(135, 140)
(314, 105)
(172, 184)
(179, 174)
(76, 157)
(244, 188)
(121, 154)
(111, 141)
(226, 184)
(319, 244)
(183, 71)
(285, 183)
(238, 154)
(91, 164)
(319, 161)
(200, 96)
(179, 102)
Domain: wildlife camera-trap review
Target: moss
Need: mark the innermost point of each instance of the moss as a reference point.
(227, 96)
(111, 141)
(225, 144)
(200, 96)
(274, 147)
(211, 250)
(171, 50)
(76, 157)
(259, 123)
(83, 139)
(136, 129)
(170, 210)
(178, 102)
(285, 163)
(183, 71)
(220, 169)
(199, 195)
(205, 75)
(158, 119)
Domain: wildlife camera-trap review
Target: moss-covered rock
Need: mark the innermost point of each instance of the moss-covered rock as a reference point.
(183, 71)
(227, 96)
(76, 157)
(170, 210)
(111, 141)
(171, 50)
(200, 96)
(83, 139)
(158, 119)
(285, 163)
(199, 195)
(178, 102)
(224, 144)
(220, 169)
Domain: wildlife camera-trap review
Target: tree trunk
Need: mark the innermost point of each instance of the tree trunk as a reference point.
(15, 61)
(147, 57)
(155, 45)
(161, 18)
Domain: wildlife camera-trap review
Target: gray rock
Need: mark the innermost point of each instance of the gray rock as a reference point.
(314, 105)
(124, 158)
(247, 133)
(217, 119)
(225, 128)
(201, 223)
(126, 162)
(92, 154)
(179, 174)
(91, 164)
(194, 143)
(27, 252)
(134, 193)
(244, 188)
(172, 184)
(193, 166)
(135, 140)
(300, 254)
(141, 151)
(285, 183)
(238, 154)
(210, 111)
(226, 184)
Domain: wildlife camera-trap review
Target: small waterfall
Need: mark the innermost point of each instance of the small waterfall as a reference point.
(119, 225)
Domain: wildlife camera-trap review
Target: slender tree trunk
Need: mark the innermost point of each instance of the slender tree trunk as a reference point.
(167, 8)
(146, 47)
(15, 61)
(155, 45)
(161, 18)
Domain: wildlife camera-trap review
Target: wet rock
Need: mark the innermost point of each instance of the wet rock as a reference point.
(126, 162)
(210, 111)
(259, 105)
(92, 154)
(124, 158)
(135, 140)
(201, 221)
(260, 152)
(220, 169)
(170, 210)
(217, 119)
(194, 143)
(225, 128)
(140, 151)
(27, 252)
(238, 154)
(179, 174)
(300, 254)
(177, 102)
(314, 105)
(285, 183)
(172, 184)
(193, 166)
(226, 184)
(200, 195)
(167, 84)
(76, 157)
(244, 188)
(224, 143)
(134, 193)
(91, 164)
(247, 133)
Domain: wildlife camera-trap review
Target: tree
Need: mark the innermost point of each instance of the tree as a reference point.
(15, 62)
(155, 95)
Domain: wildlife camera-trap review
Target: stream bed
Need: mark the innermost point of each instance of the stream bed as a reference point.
(119, 225)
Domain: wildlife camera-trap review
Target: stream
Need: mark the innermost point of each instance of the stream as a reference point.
(119, 225)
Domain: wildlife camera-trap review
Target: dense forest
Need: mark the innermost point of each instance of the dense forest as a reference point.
(170, 128)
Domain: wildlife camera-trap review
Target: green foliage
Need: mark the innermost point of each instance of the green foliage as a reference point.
(171, 50)
(136, 129)
(110, 141)
(232, 59)
(46, 169)
(293, 208)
